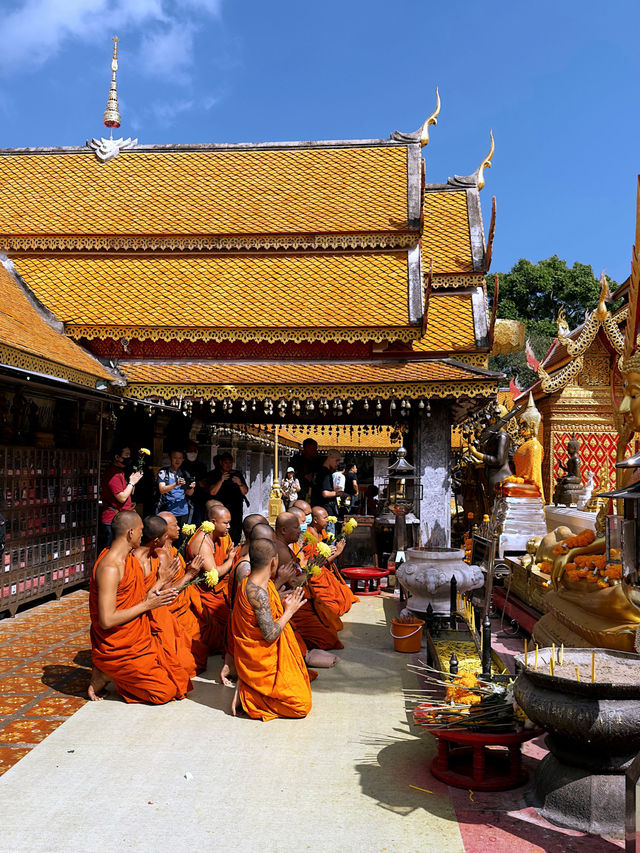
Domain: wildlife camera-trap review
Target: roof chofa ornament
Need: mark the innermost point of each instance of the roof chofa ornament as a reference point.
(420, 135)
(476, 180)
(108, 149)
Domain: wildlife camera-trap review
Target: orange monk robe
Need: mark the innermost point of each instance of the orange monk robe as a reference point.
(171, 635)
(273, 676)
(315, 622)
(130, 654)
(186, 608)
(337, 591)
(215, 602)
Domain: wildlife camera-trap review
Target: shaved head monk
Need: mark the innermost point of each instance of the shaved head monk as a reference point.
(272, 676)
(123, 648)
(164, 625)
(305, 507)
(218, 553)
(187, 605)
(317, 624)
(330, 586)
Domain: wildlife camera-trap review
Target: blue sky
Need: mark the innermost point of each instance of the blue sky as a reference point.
(557, 80)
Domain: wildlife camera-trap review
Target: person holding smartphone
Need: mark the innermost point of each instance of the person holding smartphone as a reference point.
(174, 488)
(229, 487)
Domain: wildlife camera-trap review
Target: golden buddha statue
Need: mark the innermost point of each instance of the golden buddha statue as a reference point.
(528, 457)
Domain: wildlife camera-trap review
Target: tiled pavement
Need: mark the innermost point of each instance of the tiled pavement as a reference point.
(45, 664)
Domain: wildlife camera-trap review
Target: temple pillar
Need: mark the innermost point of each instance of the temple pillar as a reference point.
(431, 451)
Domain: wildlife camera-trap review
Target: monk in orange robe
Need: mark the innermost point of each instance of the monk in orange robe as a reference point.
(187, 608)
(173, 639)
(272, 677)
(329, 586)
(123, 648)
(317, 624)
(212, 540)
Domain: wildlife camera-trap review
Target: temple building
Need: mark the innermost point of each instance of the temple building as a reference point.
(184, 289)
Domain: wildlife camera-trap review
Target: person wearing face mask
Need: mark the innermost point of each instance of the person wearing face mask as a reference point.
(306, 508)
(196, 472)
(118, 483)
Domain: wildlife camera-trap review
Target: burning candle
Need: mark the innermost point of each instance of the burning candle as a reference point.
(553, 652)
(525, 653)
(593, 667)
(551, 665)
(577, 673)
(536, 660)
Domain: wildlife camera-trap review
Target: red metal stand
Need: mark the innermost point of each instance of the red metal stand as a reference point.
(480, 761)
(368, 576)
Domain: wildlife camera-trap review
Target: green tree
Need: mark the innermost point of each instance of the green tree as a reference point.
(533, 294)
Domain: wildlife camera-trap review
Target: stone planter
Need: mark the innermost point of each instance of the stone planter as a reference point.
(426, 577)
(593, 735)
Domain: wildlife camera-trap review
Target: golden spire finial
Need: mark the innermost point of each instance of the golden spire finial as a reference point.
(111, 114)
(433, 119)
(486, 163)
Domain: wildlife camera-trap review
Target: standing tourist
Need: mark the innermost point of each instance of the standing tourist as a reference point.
(305, 465)
(351, 488)
(229, 487)
(324, 492)
(290, 488)
(118, 484)
(196, 473)
(175, 489)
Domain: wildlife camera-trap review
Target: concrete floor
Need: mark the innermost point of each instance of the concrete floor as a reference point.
(351, 776)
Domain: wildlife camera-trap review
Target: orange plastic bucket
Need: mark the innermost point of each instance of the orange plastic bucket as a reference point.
(407, 635)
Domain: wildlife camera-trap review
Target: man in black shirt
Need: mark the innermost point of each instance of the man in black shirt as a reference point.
(229, 487)
(306, 464)
(351, 488)
(322, 492)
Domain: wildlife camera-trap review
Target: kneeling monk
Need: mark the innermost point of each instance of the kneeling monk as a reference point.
(123, 648)
(272, 676)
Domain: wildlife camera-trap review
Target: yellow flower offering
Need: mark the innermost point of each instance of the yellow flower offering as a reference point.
(349, 526)
(211, 578)
(323, 549)
(145, 452)
(207, 527)
(332, 519)
(308, 538)
(188, 529)
(315, 571)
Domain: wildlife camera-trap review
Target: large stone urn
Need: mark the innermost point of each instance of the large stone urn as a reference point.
(593, 735)
(426, 577)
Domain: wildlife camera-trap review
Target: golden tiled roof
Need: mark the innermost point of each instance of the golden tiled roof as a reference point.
(257, 191)
(235, 380)
(22, 328)
(102, 296)
(348, 439)
(445, 236)
(450, 326)
(238, 373)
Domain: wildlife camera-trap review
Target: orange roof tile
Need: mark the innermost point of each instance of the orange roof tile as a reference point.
(156, 192)
(23, 328)
(445, 236)
(256, 292)
(450, 325)
(238, 373)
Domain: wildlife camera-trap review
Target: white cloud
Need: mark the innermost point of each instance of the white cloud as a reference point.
(34, 31)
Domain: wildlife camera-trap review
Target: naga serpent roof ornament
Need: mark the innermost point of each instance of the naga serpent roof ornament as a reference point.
(476, 180)
(420, 135)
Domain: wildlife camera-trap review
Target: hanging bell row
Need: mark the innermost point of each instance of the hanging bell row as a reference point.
(338, 406)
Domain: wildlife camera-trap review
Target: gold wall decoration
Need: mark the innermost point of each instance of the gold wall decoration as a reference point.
(24, 360)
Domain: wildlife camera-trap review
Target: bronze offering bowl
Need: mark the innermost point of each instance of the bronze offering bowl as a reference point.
(593, 734)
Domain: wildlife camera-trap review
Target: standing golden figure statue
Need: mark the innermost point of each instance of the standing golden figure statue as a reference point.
(528, 456)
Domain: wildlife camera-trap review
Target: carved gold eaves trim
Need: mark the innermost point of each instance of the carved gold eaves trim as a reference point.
(386, 391)
(170, 333)
(188, 243)
(26, 361)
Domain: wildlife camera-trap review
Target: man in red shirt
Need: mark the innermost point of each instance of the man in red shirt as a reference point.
(117, 487)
